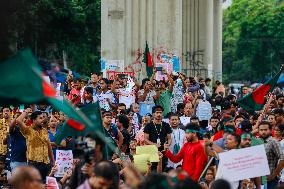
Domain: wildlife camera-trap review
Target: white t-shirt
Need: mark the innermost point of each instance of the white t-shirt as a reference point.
(178, 137)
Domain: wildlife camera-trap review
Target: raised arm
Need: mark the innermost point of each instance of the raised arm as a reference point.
(20, 121)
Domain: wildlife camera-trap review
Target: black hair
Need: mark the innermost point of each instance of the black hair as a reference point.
(220, 184)
(180, 106)
(236, 137)
(192, 126)
(107, 170)
(143, 82)
(226, 104)
(265, 123)
(239, 116)
(214, 117)
(154, 180)
(76, 80)
(279, 111)
(123, 119)
(105, 80)
(172, 115)
(279, 96)
(89, 90)
(121, 104)
(35, 115)
(246, 126)
(194, 117)
(207, 79)
(187, 183)
(3, 107)
(281, 127)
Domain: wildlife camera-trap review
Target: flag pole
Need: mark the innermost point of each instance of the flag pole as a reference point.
(206, 167)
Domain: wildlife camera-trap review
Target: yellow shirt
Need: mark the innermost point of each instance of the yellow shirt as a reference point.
(4, 129)
(37, 144)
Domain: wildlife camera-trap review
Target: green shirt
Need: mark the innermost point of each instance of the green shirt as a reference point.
(165, 101)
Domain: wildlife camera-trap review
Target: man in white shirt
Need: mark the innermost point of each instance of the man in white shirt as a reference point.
(178, 139)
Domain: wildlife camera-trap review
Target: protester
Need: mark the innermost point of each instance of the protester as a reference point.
(180, 121)
(178, 139)
(275, 155)
(39, 150)
(192, 153)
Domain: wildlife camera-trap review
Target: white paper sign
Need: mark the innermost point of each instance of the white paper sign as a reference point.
(64, 162)
(243, 163)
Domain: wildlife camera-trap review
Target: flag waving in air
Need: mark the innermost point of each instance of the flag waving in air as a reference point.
(256, 100)
(148, 61)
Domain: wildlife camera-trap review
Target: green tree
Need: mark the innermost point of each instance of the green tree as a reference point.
(50, 27)
(252, 39)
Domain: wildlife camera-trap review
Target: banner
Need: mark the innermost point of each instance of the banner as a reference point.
(111, 75)
(64, 162)
(243, 163)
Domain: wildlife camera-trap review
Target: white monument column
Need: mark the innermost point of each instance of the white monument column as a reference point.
(209, 37)
(217, 48)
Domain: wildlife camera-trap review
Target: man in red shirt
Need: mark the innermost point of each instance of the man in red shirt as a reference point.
(192, 153)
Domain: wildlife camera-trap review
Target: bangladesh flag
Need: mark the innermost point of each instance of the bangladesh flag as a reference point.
(21, 82)
(148, 61)
(73, 128)
(256, 100)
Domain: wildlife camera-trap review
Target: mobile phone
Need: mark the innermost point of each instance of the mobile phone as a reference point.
(159, 68)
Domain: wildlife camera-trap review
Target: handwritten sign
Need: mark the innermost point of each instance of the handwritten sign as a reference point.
(151, 150)
(64, 161)
(243, 163)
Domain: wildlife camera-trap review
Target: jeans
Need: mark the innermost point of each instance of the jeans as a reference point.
(272, 184)
(15, 164)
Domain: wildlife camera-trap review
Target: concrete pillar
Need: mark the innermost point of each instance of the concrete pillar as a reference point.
(217, 49)
(209, 37)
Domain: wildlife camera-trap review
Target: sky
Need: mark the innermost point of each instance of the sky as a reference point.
(227, 3)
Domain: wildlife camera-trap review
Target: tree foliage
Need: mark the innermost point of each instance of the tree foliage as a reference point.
(50, 27)
(253, 39)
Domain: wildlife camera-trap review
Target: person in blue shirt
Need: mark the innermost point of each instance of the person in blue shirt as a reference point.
(18, 146)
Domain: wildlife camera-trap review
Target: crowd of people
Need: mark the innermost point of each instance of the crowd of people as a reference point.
(190, 120)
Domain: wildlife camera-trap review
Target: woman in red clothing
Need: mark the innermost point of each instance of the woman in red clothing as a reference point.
(192, 153)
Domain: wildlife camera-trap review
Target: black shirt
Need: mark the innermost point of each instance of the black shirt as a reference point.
(158, 131)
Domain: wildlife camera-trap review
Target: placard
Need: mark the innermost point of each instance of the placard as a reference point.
(151, 150)
(111, 75)
(243, 163)
(64, 162)
(51, 183)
